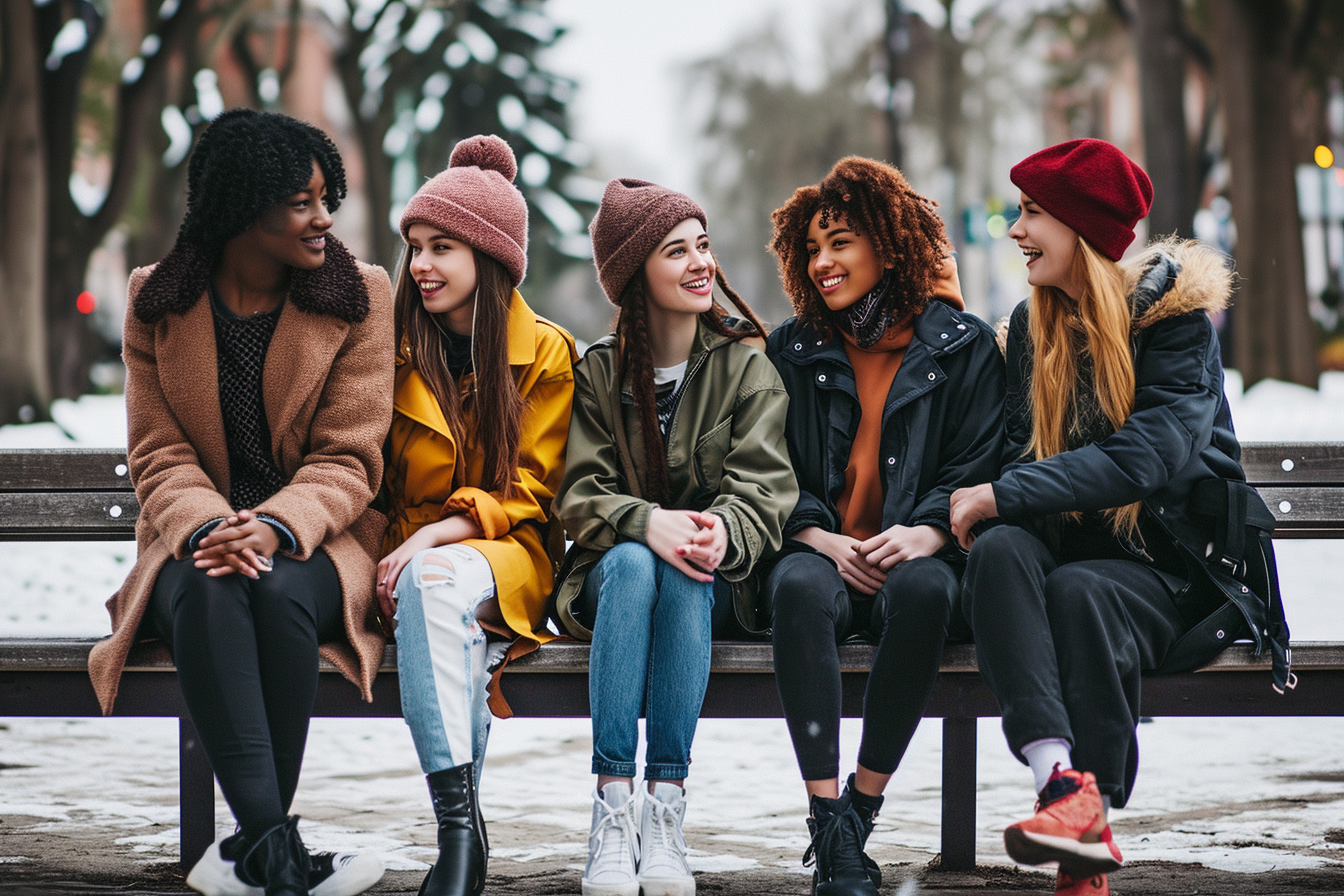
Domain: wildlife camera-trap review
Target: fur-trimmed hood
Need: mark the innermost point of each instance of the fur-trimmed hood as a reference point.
(182, 277)
(1175, 277)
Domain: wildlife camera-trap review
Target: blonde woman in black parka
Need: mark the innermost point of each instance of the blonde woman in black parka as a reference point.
(1131, 542)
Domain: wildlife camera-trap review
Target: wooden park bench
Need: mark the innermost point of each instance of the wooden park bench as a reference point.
(77, 494)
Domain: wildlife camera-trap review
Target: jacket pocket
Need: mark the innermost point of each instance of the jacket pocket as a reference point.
(710, 452)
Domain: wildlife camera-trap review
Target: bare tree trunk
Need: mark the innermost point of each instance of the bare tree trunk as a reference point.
(1273, 335)
(897, 46)
(1161, 55)
(384, 242)
(23, 356)
(951, 121)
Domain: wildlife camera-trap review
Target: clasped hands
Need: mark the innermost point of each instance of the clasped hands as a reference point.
(863, 565)
(240, 543)
(692, 542)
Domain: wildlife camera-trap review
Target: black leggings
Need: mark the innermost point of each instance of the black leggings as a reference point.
(813, 611)
(246, 656)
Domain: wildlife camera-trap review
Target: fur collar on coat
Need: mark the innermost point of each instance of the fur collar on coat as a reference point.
(182, 277)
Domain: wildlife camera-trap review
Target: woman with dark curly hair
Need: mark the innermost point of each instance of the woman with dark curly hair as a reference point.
(895, 399)
(258, 393)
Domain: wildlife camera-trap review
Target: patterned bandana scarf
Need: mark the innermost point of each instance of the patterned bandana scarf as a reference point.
(867, 318)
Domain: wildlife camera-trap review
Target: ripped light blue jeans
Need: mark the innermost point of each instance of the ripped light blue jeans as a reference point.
(650, 653)
(442, 655)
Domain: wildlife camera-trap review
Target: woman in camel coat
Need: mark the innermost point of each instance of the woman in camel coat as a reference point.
(258, 390)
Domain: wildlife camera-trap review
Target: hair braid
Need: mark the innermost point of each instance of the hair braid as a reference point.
(632, 339)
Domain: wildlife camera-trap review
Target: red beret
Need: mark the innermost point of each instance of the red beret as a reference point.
(1091, 186)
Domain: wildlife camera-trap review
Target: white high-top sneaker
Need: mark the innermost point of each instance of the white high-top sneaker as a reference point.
(613, 846)
(662, 868)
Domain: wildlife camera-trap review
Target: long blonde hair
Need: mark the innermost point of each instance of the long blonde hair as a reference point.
(1102, 316)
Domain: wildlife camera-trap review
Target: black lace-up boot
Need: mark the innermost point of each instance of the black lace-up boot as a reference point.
(840, 829)
(463, 848)
(277, 861)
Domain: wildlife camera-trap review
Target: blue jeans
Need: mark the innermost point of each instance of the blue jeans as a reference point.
(650, 654)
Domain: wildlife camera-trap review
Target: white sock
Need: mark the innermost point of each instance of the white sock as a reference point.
(1043, 755)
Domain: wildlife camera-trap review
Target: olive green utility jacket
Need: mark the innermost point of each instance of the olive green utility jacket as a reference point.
(726, 455)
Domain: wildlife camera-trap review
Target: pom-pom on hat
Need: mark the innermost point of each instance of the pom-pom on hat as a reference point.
(633, 217)
(474, 200)
(1091, 186)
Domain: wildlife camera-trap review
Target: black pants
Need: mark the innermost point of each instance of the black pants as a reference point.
(246, 656)
(1063, 645)
(812, 611)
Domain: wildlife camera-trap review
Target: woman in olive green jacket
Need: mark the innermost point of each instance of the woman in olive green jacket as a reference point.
(677, 482)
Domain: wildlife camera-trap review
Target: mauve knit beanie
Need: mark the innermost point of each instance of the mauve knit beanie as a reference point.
(474, 200)
(1091, 186)
(633, 217)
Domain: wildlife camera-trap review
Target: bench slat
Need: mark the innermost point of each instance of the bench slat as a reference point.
(67, 516)
(1317, 507)
(1307, 462)
(63, 469)
(72, 655)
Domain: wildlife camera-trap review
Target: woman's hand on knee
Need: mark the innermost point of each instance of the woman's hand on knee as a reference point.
(900, 543)
(856, 572)
(240, 543)
(970, 506)
(449, 530)
(669, 532)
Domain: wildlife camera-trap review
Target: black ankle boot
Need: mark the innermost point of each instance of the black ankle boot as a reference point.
(840, 829)
(277, 861)
(463, 848)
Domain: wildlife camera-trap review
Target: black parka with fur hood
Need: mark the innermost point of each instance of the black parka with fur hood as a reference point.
(1177, 453)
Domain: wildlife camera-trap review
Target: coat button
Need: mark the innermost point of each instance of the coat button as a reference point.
(1221, 634)
(821, 377)
(932, 376)
(797, 346)
(942, 335)
(1245, 590)
(820, 341)
(891, 461)
(961, 326)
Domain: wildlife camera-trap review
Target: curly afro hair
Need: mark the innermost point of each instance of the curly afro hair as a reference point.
(876, 201)
(247, 162)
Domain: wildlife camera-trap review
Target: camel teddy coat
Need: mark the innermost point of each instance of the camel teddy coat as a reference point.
(327, 386)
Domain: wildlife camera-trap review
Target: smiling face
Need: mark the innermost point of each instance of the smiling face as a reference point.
(444, 269)
(1049, 245)
(842, 264)
(295, 231)
(680, 271)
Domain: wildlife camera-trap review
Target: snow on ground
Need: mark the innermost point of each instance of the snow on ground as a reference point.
(1235, 794)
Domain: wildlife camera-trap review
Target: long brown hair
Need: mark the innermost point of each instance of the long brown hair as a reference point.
(632, 341)
(494, 393)
(1100, 319)
(875, 200)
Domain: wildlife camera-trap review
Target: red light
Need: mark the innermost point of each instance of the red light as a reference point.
(86, 302)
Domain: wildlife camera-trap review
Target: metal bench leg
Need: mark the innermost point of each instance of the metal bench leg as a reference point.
(958, 794)
(196, 795)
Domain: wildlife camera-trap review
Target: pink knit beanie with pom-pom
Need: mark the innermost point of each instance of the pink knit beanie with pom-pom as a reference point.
(474, 200)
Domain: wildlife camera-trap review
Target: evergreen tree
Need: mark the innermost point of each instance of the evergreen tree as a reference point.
(421, 77)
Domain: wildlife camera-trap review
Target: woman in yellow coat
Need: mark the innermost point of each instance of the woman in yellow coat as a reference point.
(476, 453)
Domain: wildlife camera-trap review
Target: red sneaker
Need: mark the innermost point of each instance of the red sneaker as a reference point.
(1069, 827)
(1096, 885)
